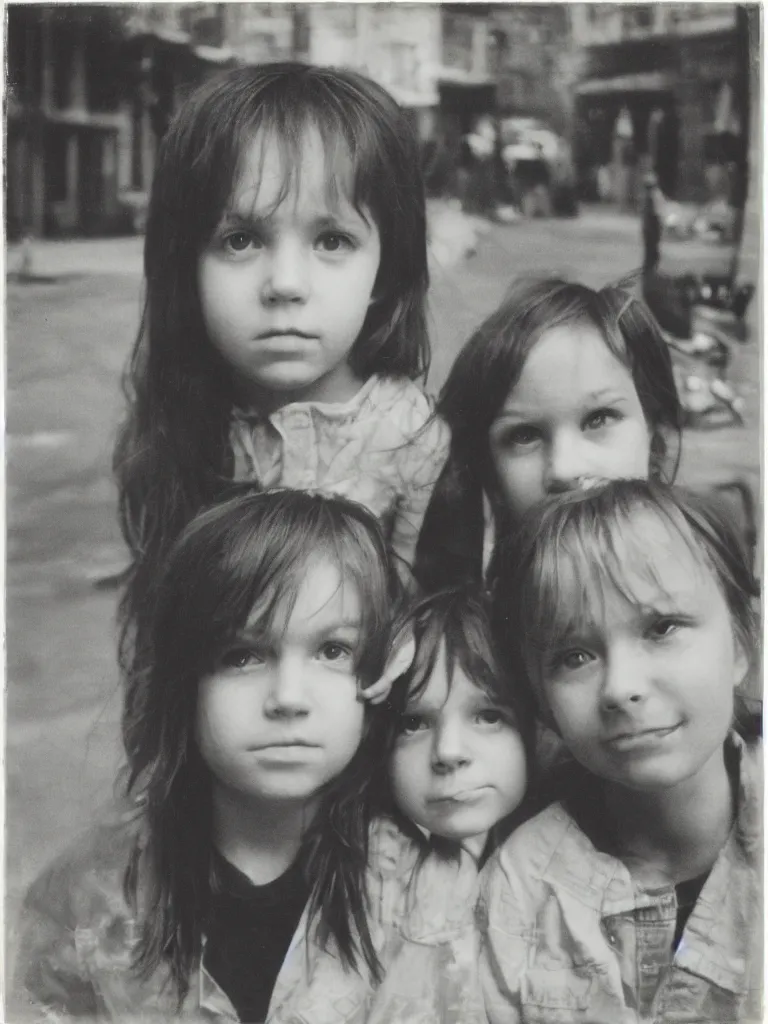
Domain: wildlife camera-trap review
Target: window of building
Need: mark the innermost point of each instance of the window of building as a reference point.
(301, 31)
(342, 18)
(55, 151)
(404, 65)
(457, 41)
(637, 16)
(63, 61)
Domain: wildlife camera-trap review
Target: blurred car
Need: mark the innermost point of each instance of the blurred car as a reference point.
(539, 166)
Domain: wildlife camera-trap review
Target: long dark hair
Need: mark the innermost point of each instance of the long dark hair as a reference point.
(484, 373)
(173, 455)
(252, 550)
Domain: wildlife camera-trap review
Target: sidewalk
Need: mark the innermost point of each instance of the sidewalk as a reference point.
(77, 257)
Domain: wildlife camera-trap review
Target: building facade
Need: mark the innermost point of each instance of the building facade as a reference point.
(67, 120)
(660, 90)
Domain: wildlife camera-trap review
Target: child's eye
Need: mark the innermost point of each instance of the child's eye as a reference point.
(489, 716)
(600, 418)
(661, 628)
(522, 436)
(240, 241)
(241, 657)
(572, 660)
(334, 242)
(333, 650)
(411, 724)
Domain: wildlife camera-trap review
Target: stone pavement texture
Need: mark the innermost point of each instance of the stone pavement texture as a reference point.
(67, 342)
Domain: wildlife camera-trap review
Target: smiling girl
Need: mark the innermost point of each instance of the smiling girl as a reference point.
(629, 609)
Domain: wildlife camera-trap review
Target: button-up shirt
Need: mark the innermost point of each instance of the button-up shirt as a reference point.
(570, 937)
(384, 448)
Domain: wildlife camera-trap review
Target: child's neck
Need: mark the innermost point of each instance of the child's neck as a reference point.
(675, 834)
(261, 840)
(337, 386)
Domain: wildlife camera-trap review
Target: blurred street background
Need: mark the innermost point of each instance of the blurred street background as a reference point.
(547, 131)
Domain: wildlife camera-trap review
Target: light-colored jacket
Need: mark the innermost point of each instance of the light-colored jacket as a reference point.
(383, 448)
(569, 938)
(77, 936)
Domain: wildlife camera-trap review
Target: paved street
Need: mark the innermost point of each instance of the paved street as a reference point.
(68, 339)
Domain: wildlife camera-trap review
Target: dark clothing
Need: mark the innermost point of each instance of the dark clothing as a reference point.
(249, 933)
(686, 894)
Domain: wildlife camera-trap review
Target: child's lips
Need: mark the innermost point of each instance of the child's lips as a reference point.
(633, 739)
(461, 796)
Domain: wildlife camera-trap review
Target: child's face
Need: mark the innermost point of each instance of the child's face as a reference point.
(285, 289)
(280, 716)
(573, 417)
(642, 690)
(458, 766)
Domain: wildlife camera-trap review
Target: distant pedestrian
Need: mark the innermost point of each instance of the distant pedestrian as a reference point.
(481, 160)
(560, 386)
(652, 212)
(285, 326)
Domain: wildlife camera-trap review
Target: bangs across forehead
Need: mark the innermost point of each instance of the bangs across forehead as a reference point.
(592, 563)
(466, 647)
(307, 152)
(259, 593)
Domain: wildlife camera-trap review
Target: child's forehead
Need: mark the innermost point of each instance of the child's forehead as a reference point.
(646, 561)
(447, 684)
(304, 167)
(318, 595)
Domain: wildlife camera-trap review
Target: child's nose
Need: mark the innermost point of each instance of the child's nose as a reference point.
(568, 462)
(287, 272)
(625, 677)
(449, 748)
(287, 695)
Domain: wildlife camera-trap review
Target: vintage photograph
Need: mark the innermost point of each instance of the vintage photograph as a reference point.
(384, 513)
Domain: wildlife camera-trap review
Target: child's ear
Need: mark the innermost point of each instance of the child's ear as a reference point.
(741, 662)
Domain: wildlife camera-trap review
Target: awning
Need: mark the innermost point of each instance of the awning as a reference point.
(643, 81)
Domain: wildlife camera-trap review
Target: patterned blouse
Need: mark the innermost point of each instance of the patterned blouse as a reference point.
(384, 448)
(77, 936)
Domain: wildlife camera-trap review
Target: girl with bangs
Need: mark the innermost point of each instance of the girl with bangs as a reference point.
(629, 610)
(560, 387)
(286, 273)
(459, 742)
(461, 737)
(245, 876)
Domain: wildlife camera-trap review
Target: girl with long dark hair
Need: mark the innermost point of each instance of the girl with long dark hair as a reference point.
(286, 272)
(245, 876)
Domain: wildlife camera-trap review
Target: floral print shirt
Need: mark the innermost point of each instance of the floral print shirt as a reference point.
(569, 937)
(77, 935)
(383, 448)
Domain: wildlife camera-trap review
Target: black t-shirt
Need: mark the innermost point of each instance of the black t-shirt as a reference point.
(687, 894)
(249, 931)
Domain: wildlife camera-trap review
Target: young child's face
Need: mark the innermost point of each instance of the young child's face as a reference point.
(280, 716)
(642, 690)
(458, 765)
(573, 417)
(285, 287)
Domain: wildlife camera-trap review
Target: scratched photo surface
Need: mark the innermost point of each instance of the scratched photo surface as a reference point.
(603, 143)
